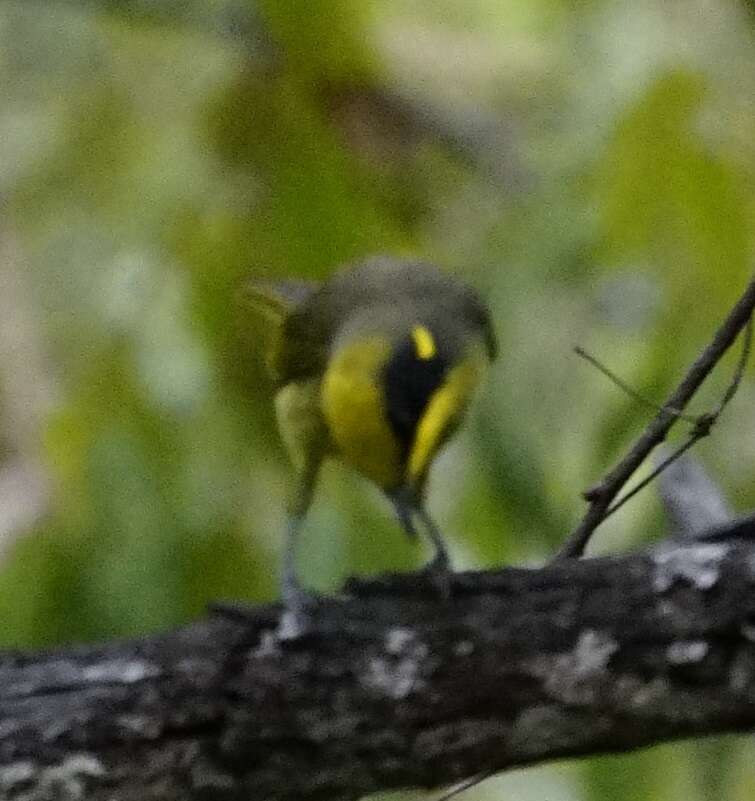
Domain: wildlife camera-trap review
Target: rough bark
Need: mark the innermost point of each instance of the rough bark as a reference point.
(392, 686)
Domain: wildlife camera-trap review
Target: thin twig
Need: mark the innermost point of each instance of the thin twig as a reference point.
(602, 495)
(625, 387)
(669, 460)
(744, 357)
(702, 424)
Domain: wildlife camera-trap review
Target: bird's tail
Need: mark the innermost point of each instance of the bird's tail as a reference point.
(274, 300)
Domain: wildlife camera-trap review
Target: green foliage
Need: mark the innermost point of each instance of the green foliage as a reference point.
(590, 167)
(665, 194)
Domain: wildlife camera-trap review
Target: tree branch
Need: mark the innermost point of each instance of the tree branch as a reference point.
(602, 495)
(394, 687)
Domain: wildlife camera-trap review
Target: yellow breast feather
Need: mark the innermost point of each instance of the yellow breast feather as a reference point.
(444, 410)
(353, 406)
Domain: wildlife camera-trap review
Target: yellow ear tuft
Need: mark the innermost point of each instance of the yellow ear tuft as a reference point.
(424, 344)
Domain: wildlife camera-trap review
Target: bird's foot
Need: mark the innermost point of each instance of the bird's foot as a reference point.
(297, 618)
(440, 575)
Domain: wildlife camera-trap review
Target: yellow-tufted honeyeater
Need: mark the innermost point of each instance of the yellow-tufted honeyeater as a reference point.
(374, 367)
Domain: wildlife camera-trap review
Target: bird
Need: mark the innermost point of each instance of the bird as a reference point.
(373, 367)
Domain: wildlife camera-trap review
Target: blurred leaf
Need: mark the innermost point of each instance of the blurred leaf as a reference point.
(668, 199)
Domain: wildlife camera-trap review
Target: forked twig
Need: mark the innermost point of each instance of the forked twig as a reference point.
(702, 424)
(602, 496)
(667, 462)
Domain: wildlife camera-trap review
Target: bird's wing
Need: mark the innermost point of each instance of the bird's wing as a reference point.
(277, 302)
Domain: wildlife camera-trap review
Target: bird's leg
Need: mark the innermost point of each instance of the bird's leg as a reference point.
(291, 590)
(405, 511)
(408, 508)
(297, 600)
(295, 619)
(439, 567)
(441, 562)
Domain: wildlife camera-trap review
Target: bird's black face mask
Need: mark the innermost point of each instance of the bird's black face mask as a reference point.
(415, 370)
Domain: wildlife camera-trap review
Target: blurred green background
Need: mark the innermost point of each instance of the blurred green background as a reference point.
(588, 166)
